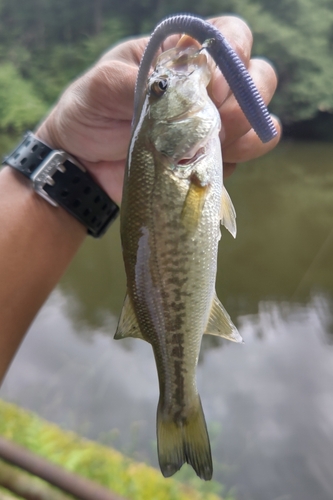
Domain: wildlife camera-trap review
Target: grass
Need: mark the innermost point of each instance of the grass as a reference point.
(106, 466)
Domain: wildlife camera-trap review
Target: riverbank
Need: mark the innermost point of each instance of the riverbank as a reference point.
(104, 465)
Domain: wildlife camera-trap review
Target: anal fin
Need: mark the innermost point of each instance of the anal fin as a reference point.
(128, 324)
(220, 323)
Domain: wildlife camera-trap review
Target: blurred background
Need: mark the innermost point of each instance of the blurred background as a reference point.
(269, 402)
(46, 43)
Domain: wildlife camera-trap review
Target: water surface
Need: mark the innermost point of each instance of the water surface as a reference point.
(269, 402)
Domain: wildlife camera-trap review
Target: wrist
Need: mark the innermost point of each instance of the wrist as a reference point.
(47, 132)
(39, 215)
(37, 244)
(62, 181)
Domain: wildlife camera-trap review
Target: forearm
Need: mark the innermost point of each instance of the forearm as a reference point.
(37, 243)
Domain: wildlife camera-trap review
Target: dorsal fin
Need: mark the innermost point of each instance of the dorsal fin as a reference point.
(220, 323)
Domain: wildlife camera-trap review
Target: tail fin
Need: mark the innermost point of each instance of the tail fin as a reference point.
(180, 442)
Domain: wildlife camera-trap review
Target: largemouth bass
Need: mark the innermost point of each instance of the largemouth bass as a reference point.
(173, 203)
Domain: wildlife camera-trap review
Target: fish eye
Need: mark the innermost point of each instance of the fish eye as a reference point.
(159, 87)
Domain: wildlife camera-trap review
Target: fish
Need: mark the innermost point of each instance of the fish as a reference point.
(174, 202)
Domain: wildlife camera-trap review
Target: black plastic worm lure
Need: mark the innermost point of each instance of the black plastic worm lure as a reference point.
(227, 60)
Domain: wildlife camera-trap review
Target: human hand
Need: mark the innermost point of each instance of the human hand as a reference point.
(92, 120)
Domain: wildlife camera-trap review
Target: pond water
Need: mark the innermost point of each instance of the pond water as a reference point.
(269, 402)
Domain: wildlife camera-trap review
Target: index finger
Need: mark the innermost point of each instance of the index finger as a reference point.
(129, 51)
(239, 36)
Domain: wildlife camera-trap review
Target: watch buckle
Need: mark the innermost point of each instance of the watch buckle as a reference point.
(45, 172)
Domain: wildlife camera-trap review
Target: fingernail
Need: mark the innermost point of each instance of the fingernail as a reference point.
(187, 41)
(219, 88)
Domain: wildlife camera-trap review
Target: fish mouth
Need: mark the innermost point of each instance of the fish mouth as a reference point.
(182, 61)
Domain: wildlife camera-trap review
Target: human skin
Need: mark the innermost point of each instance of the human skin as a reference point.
(92, 122)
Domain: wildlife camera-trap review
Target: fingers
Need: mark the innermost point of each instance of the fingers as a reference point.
(108, 89)
(129, 52)
(92, 120)
(228, 169)
(239, 36)
(249, 146)
(118, 68)
(240, 143)
(234, 122)
(110, 175)
(233, 28)
(96, 111)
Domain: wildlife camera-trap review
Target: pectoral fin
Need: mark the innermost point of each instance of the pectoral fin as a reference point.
(193, 205)
(220, 323)
(228, 213)
(128, 324)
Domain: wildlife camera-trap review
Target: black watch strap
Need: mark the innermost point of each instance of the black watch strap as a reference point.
(61, 180)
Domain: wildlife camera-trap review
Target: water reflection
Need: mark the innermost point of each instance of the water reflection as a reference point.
(283, 249)
(96, 281)
(269, 402)
(277, 403)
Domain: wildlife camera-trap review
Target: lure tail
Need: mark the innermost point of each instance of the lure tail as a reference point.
(186, 441)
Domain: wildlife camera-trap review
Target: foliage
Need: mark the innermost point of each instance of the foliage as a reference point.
(51, 41)
(51, 68)
(135, 481)
(20, 107)
(295, 37)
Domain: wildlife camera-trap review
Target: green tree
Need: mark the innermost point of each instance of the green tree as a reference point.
(50, 41)
(296, 40)
(20, 108)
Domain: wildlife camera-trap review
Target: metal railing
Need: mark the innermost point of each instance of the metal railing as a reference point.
(70, 483)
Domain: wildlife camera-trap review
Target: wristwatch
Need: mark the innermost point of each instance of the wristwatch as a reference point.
(61, 180)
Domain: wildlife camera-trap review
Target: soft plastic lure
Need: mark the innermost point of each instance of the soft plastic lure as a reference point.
(226, 59)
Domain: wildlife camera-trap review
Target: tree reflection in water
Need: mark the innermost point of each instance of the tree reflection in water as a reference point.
(270, 400)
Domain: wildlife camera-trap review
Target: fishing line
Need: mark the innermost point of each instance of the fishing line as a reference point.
(320, 253)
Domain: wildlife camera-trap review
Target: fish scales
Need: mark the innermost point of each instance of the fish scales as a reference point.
(169, 268)
(170, 227)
